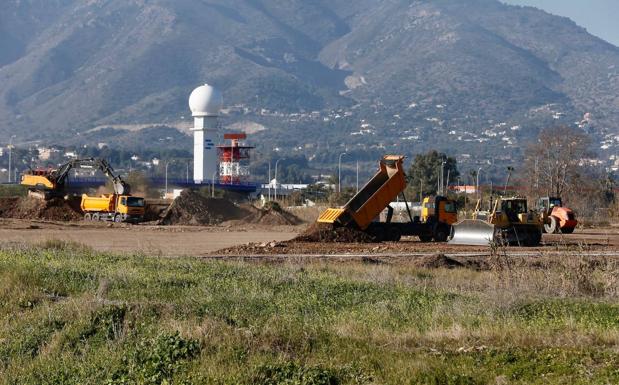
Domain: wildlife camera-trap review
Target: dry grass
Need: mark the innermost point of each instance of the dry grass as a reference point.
(71, 315)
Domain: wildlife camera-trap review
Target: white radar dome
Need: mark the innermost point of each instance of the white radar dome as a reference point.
(205, 101)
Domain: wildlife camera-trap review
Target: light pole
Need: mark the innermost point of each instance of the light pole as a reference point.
(510, 169)
(276, 163)
(213, 184)
(357, 175)
(166, 176)
(443, 163)
(269, 179)
(339, 172)
(10, 155)
(477, 184)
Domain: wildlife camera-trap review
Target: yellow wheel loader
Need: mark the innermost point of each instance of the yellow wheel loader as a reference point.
(508, 223)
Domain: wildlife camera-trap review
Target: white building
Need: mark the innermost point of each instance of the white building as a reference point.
(205, 103)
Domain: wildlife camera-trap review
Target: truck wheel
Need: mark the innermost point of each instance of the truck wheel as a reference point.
(425, 238)
(395, 235)
(441, 235)
(118, 218)
(87, 217)
(567, 230)
(551, 227)
(95, 217)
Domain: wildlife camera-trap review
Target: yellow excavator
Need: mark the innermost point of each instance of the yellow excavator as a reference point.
(51, 183)
(509, 222)
(360, 212)
(120, 206)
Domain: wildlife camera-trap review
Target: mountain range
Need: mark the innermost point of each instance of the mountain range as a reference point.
(403, 68)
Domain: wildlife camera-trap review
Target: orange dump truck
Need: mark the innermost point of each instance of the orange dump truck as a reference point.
(113, 207)
(366, 206)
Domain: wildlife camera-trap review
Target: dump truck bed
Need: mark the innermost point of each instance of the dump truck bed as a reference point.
(373, 198)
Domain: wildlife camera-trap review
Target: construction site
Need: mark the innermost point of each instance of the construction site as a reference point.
(193, 224)
(378, 220)
(219, 279)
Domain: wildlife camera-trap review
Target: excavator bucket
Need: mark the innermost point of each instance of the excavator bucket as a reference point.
(473, 232)
(330, 215)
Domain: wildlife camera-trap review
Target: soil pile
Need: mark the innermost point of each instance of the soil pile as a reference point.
(321, 232)
(273, 214)
(437, 261)
(191, 208)
(56, 209)
(154, 209)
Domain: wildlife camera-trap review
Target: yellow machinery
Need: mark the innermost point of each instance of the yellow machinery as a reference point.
(49, 183)
(117, 207)
(113, 207)
(390, 181)
(509, 223)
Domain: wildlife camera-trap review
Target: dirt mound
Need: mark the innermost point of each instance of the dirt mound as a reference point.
(154, 209)
(191, 208)
(320, 232)
(273, 214)
(56, 209)
(437, 261)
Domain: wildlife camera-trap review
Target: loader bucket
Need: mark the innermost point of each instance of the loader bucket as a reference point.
(473, 232)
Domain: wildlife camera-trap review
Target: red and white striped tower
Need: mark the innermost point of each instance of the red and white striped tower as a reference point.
(234, 160)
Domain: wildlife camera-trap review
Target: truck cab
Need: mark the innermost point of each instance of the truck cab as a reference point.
(439, 209)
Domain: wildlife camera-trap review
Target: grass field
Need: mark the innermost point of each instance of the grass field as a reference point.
(69, 315)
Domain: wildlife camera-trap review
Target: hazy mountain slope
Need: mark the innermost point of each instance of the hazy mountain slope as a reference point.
(425, 51)
(69, 65)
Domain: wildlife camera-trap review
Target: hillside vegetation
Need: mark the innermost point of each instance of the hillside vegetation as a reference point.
(69, 315)
(69, 65)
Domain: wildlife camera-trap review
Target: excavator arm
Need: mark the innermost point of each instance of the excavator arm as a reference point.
(56, 179)
(120, 186)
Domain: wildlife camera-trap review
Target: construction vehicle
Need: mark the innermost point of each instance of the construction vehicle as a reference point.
(51, 183)
(509, 222)
(113, 207)
(118, 207)
(555, 217)
(362, 210)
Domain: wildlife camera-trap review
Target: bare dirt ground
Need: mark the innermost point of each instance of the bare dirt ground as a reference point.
(603, 240)
(152, 240)
(232, 240)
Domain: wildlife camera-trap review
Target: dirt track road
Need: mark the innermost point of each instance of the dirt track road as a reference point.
(152, 240)
(231, 241)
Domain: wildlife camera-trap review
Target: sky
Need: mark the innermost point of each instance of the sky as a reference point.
(599, 17)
